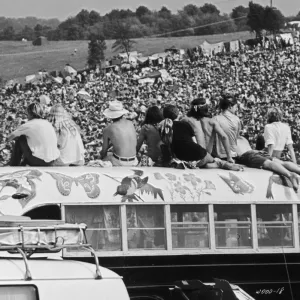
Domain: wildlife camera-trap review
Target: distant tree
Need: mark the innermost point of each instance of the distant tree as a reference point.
(273, 19)
(97, 47)
(141, 11)
(38, 30)
(191, 9)
(255, 18)
(164, 13)
(83, 18)
(239, 14)
(122, 34)
(8, 34)
(208, 8)
(27, 33)
(94, 17)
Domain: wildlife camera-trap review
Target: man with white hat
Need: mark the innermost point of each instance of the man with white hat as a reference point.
(121, 135)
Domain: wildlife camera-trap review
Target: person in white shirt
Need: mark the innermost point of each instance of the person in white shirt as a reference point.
(35, 141)
(69, 140)
(277, 135)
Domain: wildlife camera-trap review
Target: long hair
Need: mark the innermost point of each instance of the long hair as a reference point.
(153, 116)
(199, 109)
(274, 115)
(170, 112)
(61, 120)
(35, 110)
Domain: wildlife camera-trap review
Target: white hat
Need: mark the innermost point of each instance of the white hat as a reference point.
(115, 110)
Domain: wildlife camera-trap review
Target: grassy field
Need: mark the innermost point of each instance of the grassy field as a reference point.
(18, 59)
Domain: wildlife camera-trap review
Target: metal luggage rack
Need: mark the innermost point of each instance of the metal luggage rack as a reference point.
(27, 249)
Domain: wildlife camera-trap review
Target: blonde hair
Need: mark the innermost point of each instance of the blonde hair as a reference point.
(61, 120)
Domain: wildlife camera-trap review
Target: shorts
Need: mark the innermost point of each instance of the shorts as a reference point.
(121, 161)
(253, 159)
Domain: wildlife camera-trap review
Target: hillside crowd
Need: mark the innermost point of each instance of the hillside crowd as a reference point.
(258, 78)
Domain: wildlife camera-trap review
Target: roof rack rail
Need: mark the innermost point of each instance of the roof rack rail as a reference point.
(32, 236)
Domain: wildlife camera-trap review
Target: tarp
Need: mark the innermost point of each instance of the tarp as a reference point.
(71, 71)
(287, 37)
(146, 80)
(142, 60)
(154, 74)
(234, 46)
(210, 49)
(131, 54)
(32, 78)
(158, 55)
(165, 75)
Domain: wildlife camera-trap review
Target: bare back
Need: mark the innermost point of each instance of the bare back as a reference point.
(122, 135)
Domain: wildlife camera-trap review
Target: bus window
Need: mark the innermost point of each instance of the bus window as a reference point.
(274, 225)
(104, 231)
(145, 225)
(189, 226)
(47, 212)
(233, 226)
(26, 292)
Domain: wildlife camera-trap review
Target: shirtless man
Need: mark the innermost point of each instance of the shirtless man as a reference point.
(121, 135)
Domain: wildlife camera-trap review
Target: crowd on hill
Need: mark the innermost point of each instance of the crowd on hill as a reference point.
(258, 78)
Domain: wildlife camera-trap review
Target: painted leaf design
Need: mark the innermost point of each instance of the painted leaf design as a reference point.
(158, 176)
(209, 185)
(4, 197)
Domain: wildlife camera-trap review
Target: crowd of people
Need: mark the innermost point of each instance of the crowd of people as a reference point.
(258, 79)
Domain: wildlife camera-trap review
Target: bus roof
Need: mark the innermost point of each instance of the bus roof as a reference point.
(23, 189)
(50, 269)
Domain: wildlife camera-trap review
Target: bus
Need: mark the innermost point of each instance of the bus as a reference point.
(161, 225)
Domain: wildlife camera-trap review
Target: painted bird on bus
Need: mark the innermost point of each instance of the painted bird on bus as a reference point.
(133, 184)
(280, 180)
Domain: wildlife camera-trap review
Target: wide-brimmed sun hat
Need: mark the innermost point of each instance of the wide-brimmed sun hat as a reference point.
(115, 110)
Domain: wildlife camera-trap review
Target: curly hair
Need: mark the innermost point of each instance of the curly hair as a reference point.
(153, 116)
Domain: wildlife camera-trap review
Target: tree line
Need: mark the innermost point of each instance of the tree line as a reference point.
(143, 22)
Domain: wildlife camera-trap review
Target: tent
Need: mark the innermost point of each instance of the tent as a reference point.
(210, 49)
(70, 71)
(158, 55)
(142, 60)
(33, 78)
(40, 41)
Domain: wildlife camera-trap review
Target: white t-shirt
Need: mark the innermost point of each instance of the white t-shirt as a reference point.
(277, 134)
(73, 150)
(41, 139)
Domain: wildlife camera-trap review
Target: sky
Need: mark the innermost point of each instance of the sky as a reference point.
(62, 9)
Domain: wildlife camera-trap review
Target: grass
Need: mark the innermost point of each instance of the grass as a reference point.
(19, 59)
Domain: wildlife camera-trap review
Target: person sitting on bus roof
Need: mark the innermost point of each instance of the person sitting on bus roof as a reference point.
(261, 160)
(208, 127)
(36, 141)
(69, 140)
(278, 134)
(229, 123)
(179, 136)
(121, 135)
(149, 133)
